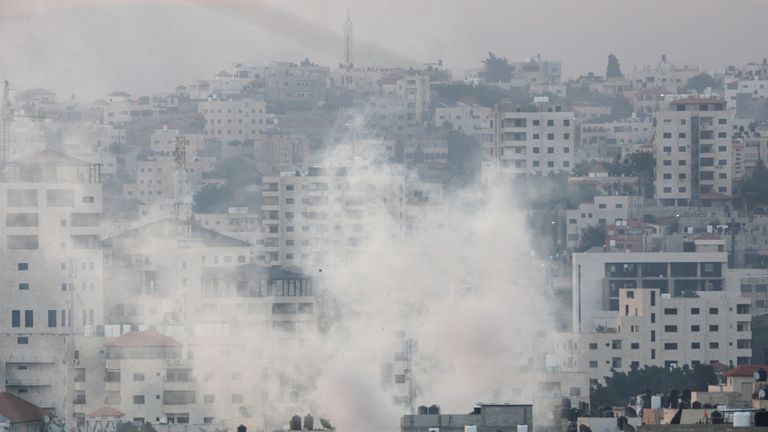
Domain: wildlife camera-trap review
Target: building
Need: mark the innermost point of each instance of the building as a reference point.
(655, 329)
(318, 217)
(693, 153)
(52, 277)
(598, 277)
(281, 151)
(236, 118)
(471, 118)
(536, 139)
(609, 140)
(753, 285)
(632, 235)
(289, 83)
(484, 418)
(22, 415)
(602, 210)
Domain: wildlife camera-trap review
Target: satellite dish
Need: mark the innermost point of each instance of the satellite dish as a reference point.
(326, 424)
(46, 419)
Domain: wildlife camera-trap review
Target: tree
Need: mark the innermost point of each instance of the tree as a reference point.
(614, 69)
(699, 83)
(622, 386)
(591, 236)
(497, 69)
(759, 339)
(463, 159)
(754, 189)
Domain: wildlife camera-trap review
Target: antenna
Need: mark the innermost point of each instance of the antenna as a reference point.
(348, 40)
(6, 117)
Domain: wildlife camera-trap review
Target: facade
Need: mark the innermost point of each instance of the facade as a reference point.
(632, 235)
(693, 153)
(283, 151)
(603, 210)
(290, 83)
(655, 329)
(532, 140)
(607, 141)
(486, 418)
(318, 217)
(470, 118)
(236, 118)
(598, 277)
(52, 279)
(753, 285)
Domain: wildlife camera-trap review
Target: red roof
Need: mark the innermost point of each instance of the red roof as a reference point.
(745, 370)
(106, 411)
(147, 338)
(17, 410)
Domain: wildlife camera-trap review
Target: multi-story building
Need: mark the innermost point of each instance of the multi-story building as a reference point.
(283, 151)
(597, 278)
(602, 210)
(693, 153)
(305, 83)
(607, 141)
(531, 140)
(470, 118)
(320, 216)
(632, 235)
(655, 329)
(753, 285)
(666, 75)
(236, 118)
(52, 273)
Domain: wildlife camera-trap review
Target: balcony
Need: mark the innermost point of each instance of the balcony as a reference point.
(27, 382)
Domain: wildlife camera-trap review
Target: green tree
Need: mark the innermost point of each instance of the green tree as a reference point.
(591, 236)
(621, 386)
(700, 82)
(463, 163)
(760, 339)
(614, 69)
(497, 69)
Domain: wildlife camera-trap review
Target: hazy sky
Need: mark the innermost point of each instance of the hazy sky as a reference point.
(92, 47)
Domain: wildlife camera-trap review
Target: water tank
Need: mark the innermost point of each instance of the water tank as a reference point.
(470, 428)
(422, 410)
(522, 428)
(296, 423)
(742, 419)
(309, 422)
(433, 410)
(655, 402)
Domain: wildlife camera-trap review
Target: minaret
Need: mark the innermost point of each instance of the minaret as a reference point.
(348, 40)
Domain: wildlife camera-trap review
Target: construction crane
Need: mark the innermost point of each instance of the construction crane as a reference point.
(6, 117)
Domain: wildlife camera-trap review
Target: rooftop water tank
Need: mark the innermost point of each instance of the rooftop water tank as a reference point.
(742, 419)
(655, 402)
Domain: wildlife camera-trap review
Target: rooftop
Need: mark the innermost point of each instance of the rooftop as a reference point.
(17, 410)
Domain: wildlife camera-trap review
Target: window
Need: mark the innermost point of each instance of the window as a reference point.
(22, 340)
(16, 318)
(79, 374)
(52, 318)
(694, 311)
(695, 345)
(138, 399)
(29, 318)
(138, 376)
(23, 266)
(714, 345)
(24, 286)
(713, 311)
(670, 346)
(593, 346)
(634, 345)
(667, 135)
(593, 364)
(742, 309)
(695, 328)
(670, 328)
(550, 122)
(714, 328)
(22, 242)
(670, 311)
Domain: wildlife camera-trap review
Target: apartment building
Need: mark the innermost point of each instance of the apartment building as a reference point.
(693, 153)
(632, 235)
(305, 83)
(236, 118)
(283, 151)
(597, 278)
(655, 329)
(536, 139)
(52, 272)
(665, 75)
(156, 270)
(321, 216)
(602, 210)
(609, 140)
(753, 285)
(470, 118)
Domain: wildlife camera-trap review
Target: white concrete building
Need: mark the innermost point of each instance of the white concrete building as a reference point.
(693, 153)
(235, 118)
(52, 276)
(320, 216)
(470, 118)
(603, 210)
(531, 140)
